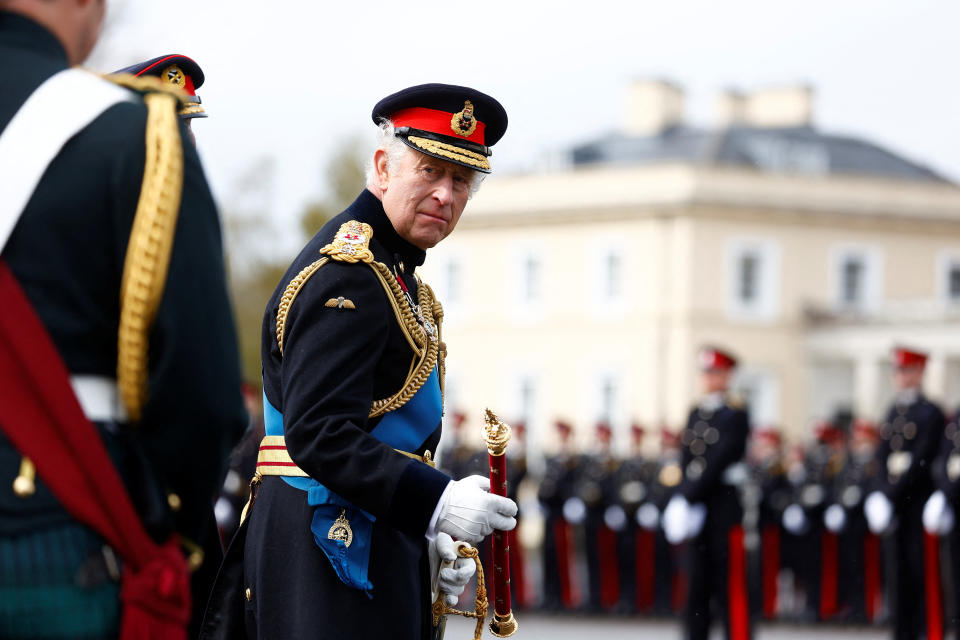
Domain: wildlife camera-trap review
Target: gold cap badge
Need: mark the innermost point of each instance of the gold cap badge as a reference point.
(463, 123)
(174, 75)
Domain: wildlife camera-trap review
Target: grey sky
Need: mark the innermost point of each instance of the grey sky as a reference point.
(291, 79)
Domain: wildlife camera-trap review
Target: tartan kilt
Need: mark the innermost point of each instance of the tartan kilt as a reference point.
(55, 583)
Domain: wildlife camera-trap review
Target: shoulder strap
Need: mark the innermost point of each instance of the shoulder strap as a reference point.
(53, 114)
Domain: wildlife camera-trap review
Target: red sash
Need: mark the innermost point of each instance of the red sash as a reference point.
(569, 593)
(47, 424)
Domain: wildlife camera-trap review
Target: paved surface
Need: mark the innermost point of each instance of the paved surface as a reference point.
(535, 626)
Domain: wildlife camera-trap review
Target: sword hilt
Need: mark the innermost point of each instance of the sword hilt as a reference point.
(440, 608)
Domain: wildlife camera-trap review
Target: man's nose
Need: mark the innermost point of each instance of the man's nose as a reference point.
(443, 190)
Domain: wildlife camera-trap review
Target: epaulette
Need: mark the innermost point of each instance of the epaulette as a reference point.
(351, 244)
(151, 238)
(148, 84)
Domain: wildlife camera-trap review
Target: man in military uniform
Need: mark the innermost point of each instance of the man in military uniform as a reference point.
(351, 513)
(72, 242)
(940, 512)
(910, 437)
(775, 496)
(706, 507)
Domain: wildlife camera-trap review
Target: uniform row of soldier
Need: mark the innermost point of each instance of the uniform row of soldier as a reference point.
(774, 532)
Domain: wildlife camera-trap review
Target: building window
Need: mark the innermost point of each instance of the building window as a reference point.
(857, 278)
(953, 282)
(748, 274)
(851, 280)
(753, 285)
(530, 279)
(612, 275)
(452, 283)
(950, 277)
(527, 394)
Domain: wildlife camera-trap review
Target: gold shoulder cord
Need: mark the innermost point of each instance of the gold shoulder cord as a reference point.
(148, 252)
(428, 353)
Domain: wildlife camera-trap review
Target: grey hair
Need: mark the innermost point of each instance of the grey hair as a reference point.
(395, 149)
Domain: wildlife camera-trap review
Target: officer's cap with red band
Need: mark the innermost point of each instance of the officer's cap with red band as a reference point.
(712, 358)
(457, 124)
(180, 71)
(903, 357)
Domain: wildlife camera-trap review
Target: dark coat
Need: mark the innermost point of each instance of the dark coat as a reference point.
(335, 364)
(67, 252)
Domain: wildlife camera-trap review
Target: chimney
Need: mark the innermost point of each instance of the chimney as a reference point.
(653, 106)
(731, 108)
(780, 107)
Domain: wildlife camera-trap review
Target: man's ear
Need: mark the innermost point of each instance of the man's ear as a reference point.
(381, 169)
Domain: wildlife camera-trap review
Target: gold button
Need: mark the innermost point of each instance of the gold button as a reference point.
(249, 594)
(174, 501)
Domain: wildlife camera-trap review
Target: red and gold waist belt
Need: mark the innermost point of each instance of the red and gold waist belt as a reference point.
(274, 459)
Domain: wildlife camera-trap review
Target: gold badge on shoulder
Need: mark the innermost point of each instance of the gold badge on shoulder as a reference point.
(352, 243)
(463, 123)
(340, 530)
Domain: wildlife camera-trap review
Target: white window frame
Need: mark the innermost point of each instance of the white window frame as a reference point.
(763, 405)
(766, 306)
(872, 279)
(521, 308)
(947, 260)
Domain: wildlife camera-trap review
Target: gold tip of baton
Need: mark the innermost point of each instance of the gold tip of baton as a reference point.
(503, 626)
(496, 433)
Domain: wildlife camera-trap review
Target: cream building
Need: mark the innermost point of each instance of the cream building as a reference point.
(584, 293)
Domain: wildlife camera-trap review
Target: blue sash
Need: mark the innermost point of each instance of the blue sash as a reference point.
(404, 429)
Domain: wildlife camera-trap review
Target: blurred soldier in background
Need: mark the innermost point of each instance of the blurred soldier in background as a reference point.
(605, 518)
(706, 507)
(775, 495)
(911, 435)
(100, 187)
(461, 457)
(635, 542)
(556, 489)
(520, 592)
(859, 586)
(671, 565)
(939, 514)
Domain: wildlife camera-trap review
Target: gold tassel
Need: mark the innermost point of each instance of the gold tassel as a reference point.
(24, 484)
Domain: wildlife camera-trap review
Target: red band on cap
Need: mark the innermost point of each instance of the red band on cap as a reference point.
(435, 121)
(188, 85)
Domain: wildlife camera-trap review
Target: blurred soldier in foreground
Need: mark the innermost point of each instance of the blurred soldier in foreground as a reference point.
(706, 507)
(911, 435)
(350, 516)
(556, 495)
(114, 240)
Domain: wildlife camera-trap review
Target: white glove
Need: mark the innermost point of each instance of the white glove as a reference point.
(469, 512)
(696, 516)
(835, 518)
(794, 519)
(615, 518)
(450, 572)
(879, 512)
(648, 516)
(574, 510)
(675, 519)
(938, 515)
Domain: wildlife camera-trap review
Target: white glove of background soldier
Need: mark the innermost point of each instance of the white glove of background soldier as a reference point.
(469, 512)
(879, 512)
(449, 580)
(835, 518)
(675, 518)
(938, 515)
(794, 520)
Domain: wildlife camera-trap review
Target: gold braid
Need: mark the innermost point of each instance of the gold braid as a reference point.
(290, 294)
(148, 251)
(428, 353)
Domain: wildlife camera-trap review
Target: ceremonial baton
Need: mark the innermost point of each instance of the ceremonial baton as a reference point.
(496, 434)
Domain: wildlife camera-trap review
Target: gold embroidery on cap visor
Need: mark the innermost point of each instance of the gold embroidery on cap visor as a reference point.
(191, 108)
(451, 152)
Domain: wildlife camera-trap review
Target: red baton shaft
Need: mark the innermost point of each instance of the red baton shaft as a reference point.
(496, 434)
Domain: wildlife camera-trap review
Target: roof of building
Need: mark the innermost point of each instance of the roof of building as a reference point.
(799, 150)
